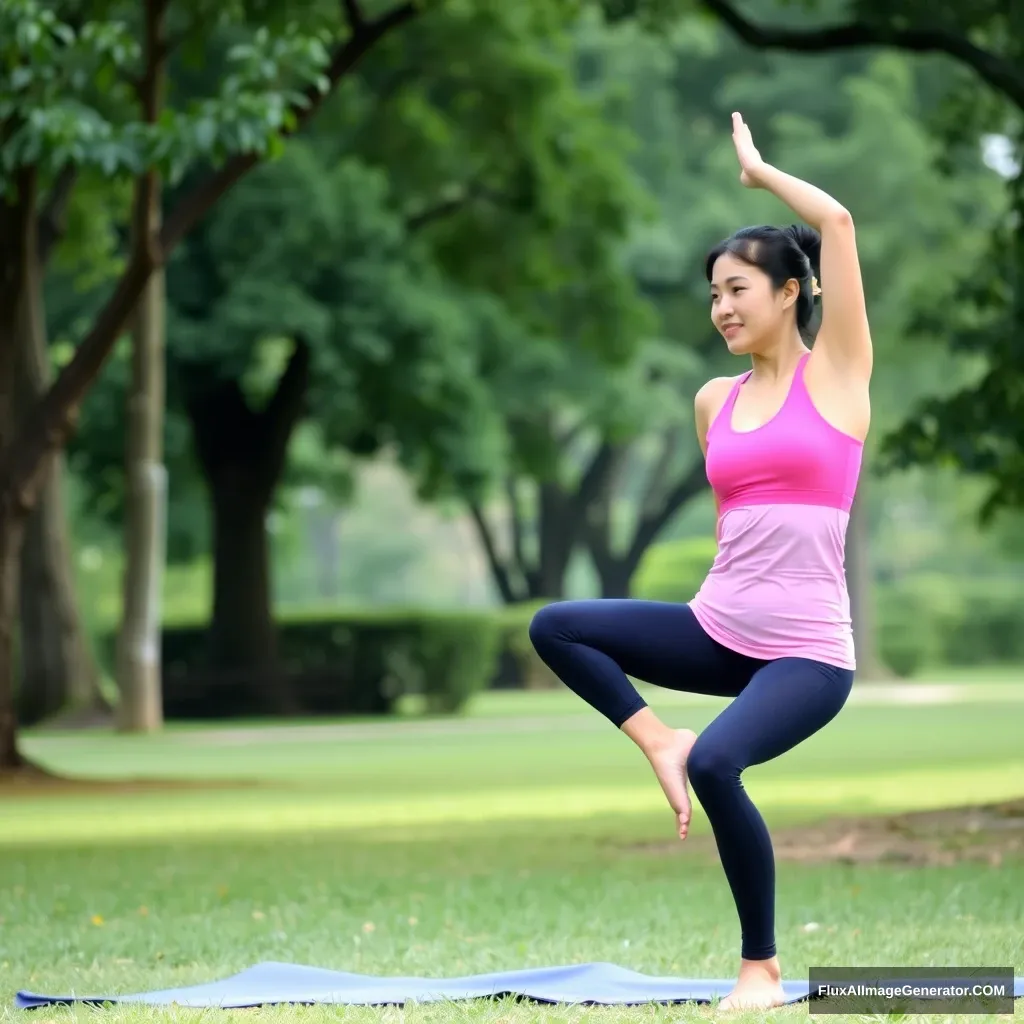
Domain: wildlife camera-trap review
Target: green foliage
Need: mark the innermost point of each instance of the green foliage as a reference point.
(674, 570)
(937, 619)
(976, 424)
(48, 71)
(416, 235)
(64, 96)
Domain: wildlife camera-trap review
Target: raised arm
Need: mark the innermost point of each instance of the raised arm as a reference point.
(844, 335)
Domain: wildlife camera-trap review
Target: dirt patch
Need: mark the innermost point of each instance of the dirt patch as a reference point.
(986, 833)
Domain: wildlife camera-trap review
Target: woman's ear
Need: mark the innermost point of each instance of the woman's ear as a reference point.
(790, 292)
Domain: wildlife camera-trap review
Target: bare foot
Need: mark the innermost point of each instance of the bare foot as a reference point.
(759, 987)
(669, 763)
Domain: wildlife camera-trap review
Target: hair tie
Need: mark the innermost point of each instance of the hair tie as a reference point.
(815, 290)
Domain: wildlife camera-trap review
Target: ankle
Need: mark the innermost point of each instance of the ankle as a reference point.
(647, 731)
(768, 969)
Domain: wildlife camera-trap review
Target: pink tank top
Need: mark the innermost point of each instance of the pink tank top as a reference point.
(777, 587)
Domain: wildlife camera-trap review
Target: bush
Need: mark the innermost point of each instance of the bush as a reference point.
(908, 625)
(934, 619)
(674, 570)
(521, 666)
(357, 662)
(988, 626)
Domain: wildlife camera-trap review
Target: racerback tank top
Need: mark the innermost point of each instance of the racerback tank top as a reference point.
(777, 587)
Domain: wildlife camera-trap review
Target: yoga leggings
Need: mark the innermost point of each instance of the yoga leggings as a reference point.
(593, 645)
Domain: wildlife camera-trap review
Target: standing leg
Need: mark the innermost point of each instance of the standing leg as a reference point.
(593, 646)
(785, 702)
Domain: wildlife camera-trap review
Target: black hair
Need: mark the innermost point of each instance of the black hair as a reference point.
(782, 253)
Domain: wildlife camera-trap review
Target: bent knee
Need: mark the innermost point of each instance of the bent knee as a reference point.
(549, 623)
(708, 764)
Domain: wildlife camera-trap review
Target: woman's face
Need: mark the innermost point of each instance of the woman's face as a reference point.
(747, 311)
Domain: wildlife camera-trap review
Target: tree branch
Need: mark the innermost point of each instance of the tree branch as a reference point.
(438, 211)
(1001, 74)
(354, 14)
(222, 423)
(654, 521)
(195, 205)
(457, 198)
(571, 434)
(515, 522)
(284, 410)
(498, 570)
(48, 423)
(53, 215)
(595, 478)
(670, 440)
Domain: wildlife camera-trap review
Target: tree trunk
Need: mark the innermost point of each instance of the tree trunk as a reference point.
(241, 454)
(145, 543)
(616, 578)
(859, 576)
(11, 528)
(59, 679)
(138, 648)
(17, 226)
(243, 637)
(58, 672)
(518, 575)
(662, 500)
(25, 454)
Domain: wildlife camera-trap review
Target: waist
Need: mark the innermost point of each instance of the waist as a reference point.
(777, 586)
(757, 495)
(797, 541)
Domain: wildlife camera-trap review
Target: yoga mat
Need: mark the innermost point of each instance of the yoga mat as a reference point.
(270, 983)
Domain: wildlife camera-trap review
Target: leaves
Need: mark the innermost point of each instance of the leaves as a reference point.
(975, 425)
(57, 108)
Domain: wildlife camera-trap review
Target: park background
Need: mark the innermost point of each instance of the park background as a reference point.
(338, 338)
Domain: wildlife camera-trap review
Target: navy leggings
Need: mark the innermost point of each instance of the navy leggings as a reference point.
(593, 645)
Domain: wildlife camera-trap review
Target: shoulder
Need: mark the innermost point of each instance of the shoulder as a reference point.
(711, 397)
(708, 402)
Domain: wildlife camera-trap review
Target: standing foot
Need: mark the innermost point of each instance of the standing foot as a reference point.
(759, 986)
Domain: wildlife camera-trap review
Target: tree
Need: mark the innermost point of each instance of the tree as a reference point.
(58, 673)
(451, 207)
(980, 426)
(606, 461)
(51, 116)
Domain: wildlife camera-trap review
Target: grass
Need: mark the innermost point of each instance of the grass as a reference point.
(511, 837)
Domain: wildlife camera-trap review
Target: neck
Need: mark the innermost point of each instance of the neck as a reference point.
(778, 363)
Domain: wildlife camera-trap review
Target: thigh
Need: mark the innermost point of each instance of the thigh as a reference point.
(785, 702)
(659, 642)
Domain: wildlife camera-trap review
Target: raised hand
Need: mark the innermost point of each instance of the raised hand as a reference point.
(750, 160)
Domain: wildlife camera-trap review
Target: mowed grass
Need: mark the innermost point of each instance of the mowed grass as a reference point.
(509, 838)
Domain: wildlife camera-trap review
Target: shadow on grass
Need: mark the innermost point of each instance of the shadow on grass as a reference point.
(32, 785)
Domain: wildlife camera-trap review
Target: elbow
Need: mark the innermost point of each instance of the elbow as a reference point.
(841, 218)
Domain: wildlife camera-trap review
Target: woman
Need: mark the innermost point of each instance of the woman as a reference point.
(770, 626)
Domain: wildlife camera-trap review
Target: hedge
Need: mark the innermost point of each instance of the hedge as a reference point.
(937, 619)
(356, 662)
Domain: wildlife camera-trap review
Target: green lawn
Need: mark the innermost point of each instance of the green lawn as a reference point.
(499, 840)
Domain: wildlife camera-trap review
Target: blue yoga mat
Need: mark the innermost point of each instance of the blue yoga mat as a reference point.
(270, 983)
